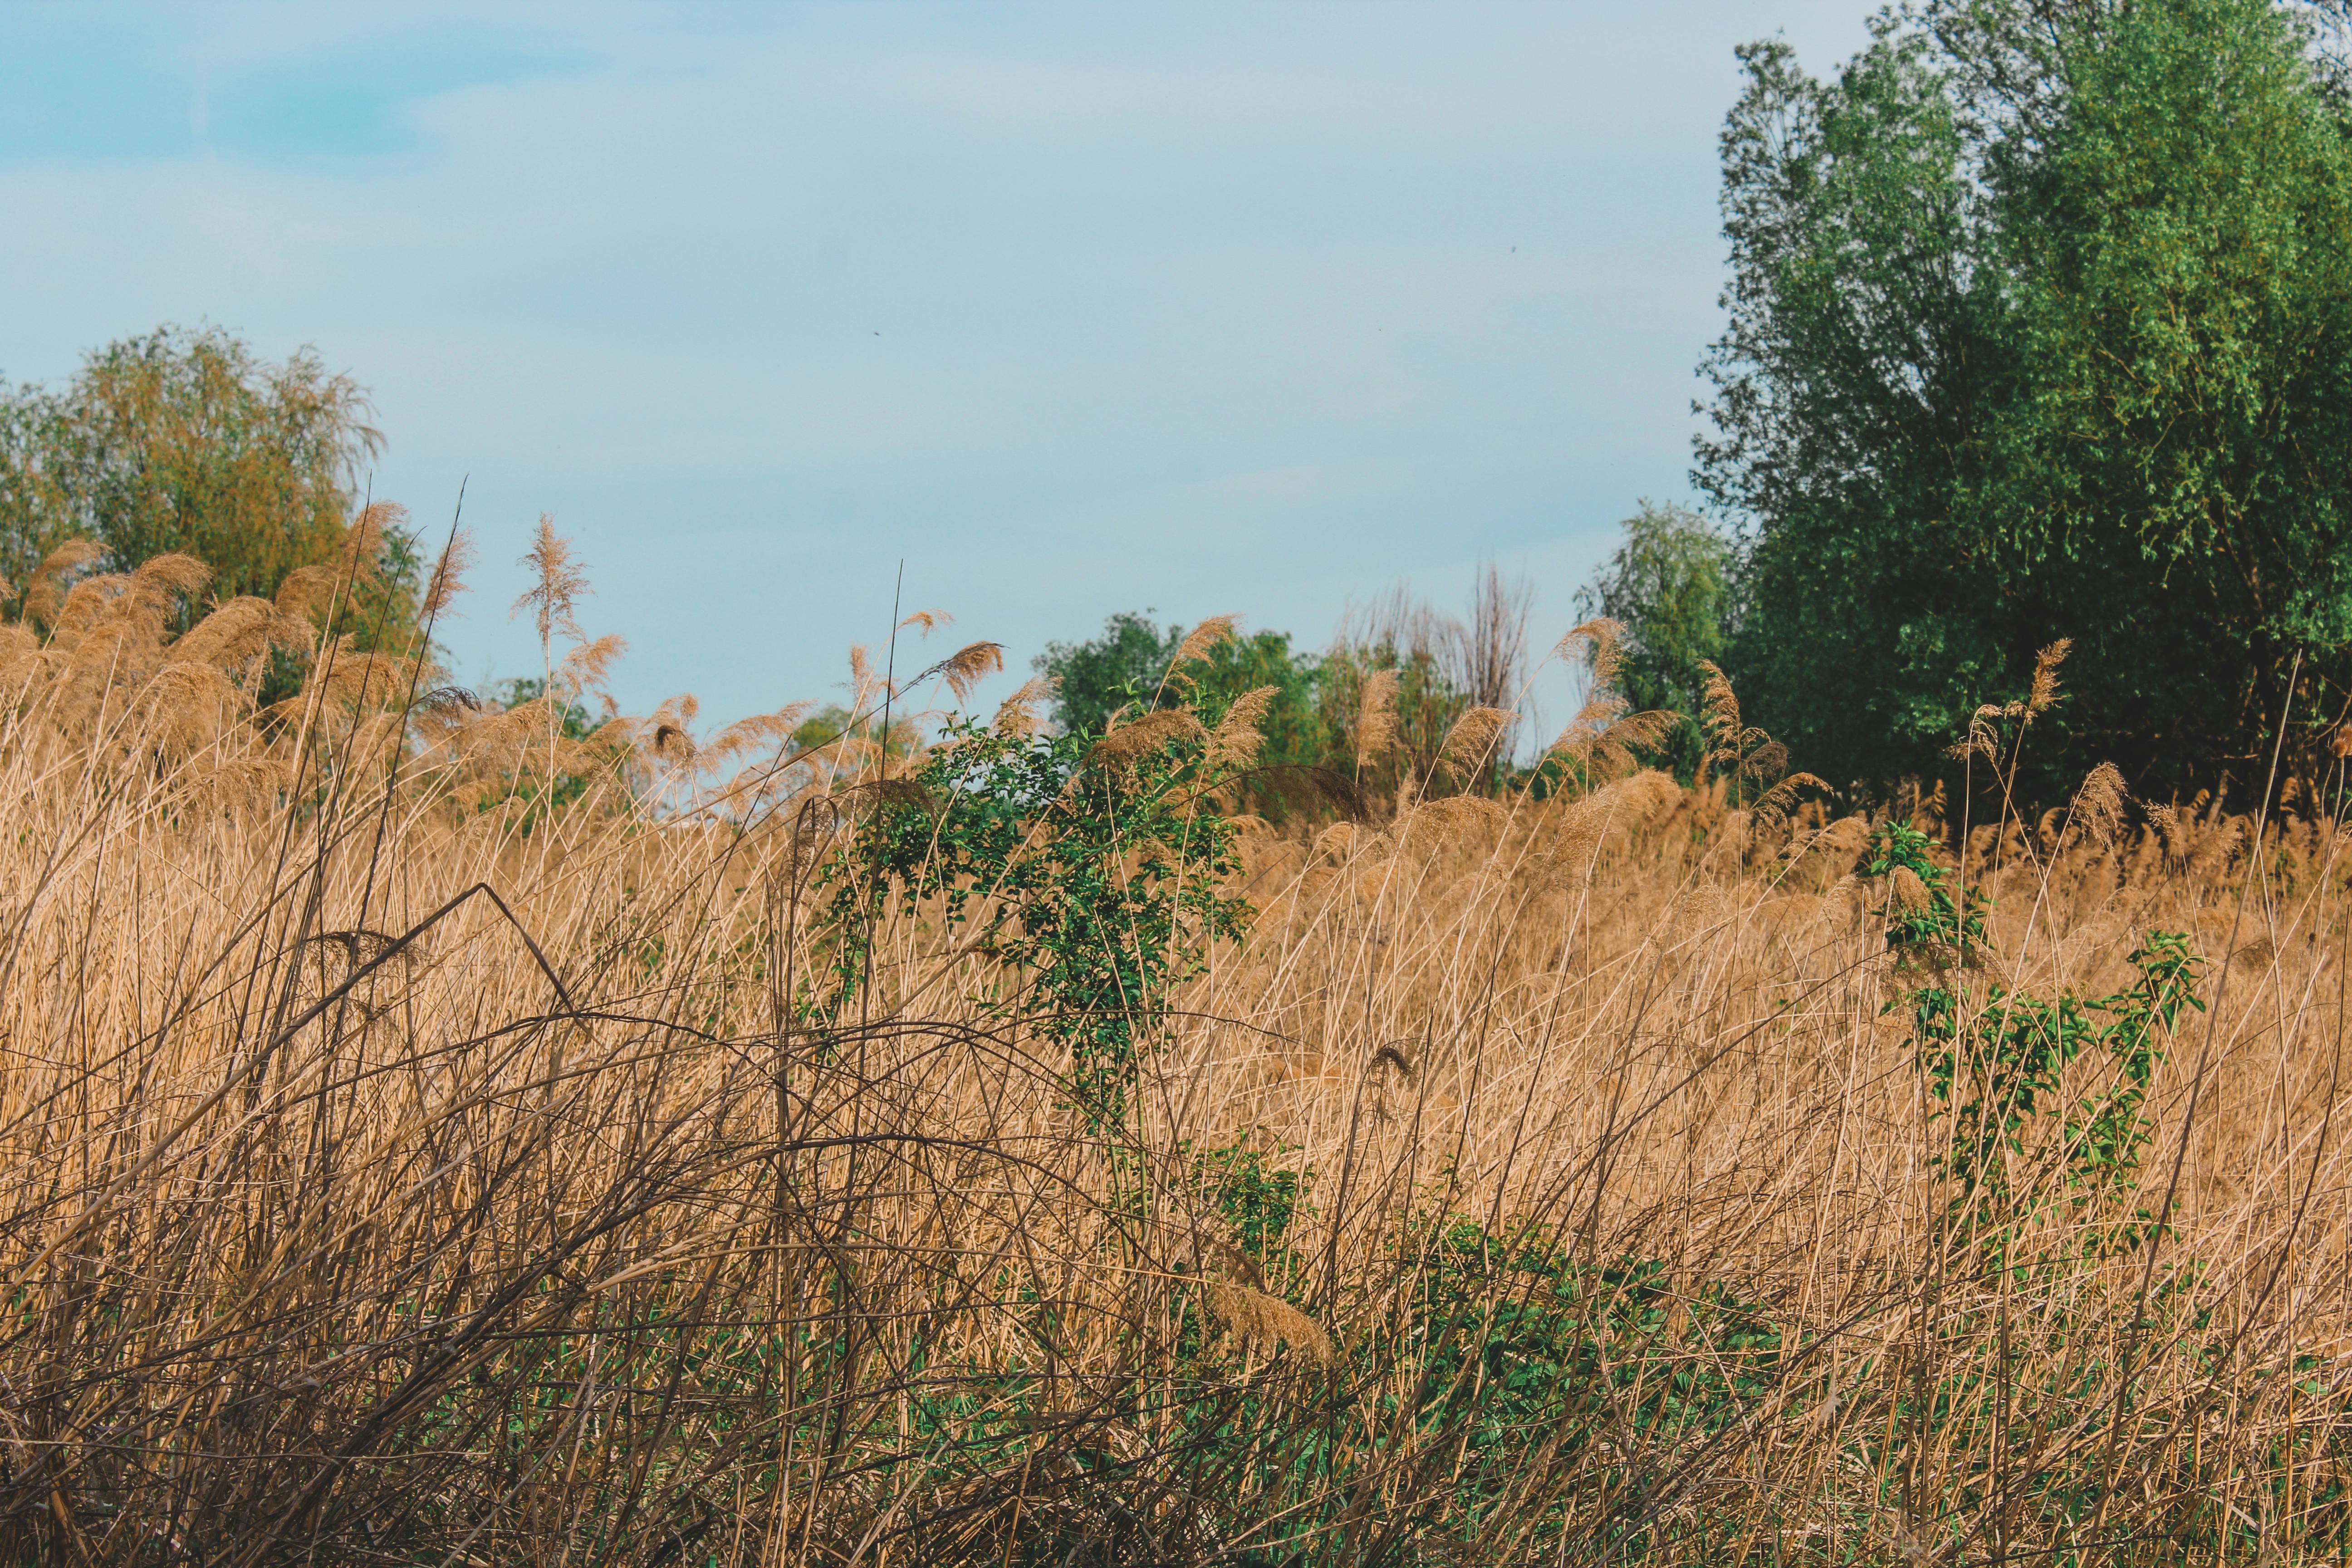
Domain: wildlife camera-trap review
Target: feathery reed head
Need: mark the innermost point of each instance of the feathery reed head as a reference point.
(586, 665)
(2044, 689)
(160, 579)
(2099, 804)
(1981, 739)
(968, 667)
(759, 731)
(667, 736)
(304, 590)
(449, 575)
(1142, 735)
(1600, 642)
(1773, 807)
(1017, 715)
(87, 600)
(1449, 822)
(363, 548)
(1469, 747)
(237, 633)
(1376, 717)
(1236, 741)
(448, 701)
(557, 584)
(1255, 1317)
(1719, 705)
(1198, 644)
(45, 591)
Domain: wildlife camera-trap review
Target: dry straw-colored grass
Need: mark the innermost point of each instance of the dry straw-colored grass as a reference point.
(400, 1168)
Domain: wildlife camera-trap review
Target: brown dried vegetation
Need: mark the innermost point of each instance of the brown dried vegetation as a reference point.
(413, 1152)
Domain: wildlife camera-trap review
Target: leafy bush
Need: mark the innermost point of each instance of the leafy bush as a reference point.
(1093, 870)
(1996, 1059)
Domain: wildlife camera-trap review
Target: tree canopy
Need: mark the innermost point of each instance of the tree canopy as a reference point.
(188, 440)
(1129, 665)
(2041, 326)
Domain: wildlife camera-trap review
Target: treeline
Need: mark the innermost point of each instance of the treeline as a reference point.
(2038, 329)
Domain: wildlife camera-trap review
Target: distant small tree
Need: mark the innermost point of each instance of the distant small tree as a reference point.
(576, 720)
(1670, 585)
(1292, 728)
(831, 722)
(188, 440)
(1096, 678)
(1372, 714)
(1129, 663)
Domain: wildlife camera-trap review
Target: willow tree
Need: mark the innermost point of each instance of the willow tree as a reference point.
(189, 441)
(2040, 326)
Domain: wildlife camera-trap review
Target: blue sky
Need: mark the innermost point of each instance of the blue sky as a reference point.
(1074, 308)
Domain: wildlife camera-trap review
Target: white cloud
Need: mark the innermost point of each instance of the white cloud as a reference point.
(1025, 295)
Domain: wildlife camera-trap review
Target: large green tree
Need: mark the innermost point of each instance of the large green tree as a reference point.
(2040, 326)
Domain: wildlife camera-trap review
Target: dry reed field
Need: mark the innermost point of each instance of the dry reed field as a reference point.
(435, 1135)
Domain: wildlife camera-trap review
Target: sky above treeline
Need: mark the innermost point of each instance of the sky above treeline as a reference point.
(1074, 309)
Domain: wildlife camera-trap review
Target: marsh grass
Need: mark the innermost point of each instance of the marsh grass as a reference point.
(435, 1137)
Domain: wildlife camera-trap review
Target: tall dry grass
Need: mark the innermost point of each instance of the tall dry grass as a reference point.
(417, 1151)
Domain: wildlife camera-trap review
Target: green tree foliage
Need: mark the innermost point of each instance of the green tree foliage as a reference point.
(1402, 674)
(188, 441)
(827, 726)
(1096, 678)
(2040, 326)
(1291, 727)
(1129, 664)
(1669, 584)
(1410, 682)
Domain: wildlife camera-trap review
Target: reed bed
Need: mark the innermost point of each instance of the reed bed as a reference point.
(435, 1136)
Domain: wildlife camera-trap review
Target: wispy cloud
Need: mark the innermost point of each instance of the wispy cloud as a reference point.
(1021, 294)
